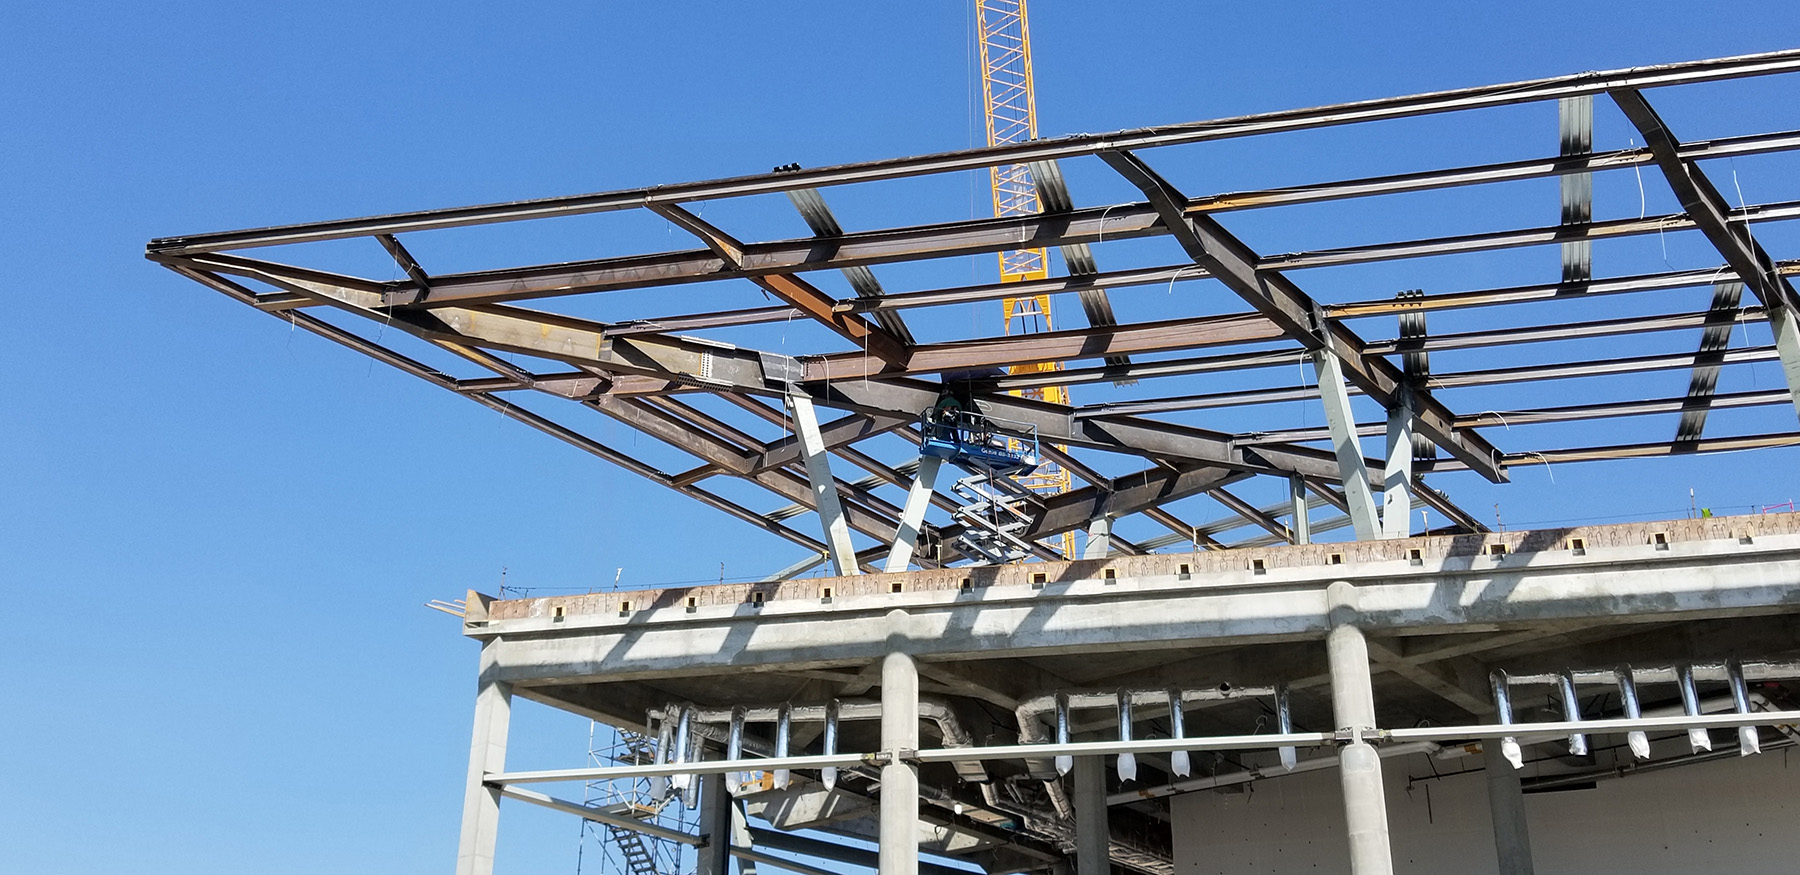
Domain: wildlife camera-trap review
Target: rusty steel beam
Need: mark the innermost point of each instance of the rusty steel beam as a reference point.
(1481, 97)
(1706, 206)
(1285, 304)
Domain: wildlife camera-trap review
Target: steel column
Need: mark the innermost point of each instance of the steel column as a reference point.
(1298, 519)
(824, 487)
(1396, 496)
(899, 775)
(1351, 468)
(487, 755)
(1092, 834)
(1787, 342)
(1506, 807)
(1099, 538)
(1353, 707)
(918, 499)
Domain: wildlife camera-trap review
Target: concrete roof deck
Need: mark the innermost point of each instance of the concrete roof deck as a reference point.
(1265, 567)
(1442, 612)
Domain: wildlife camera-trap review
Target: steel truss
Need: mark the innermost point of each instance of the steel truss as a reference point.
(645, 373)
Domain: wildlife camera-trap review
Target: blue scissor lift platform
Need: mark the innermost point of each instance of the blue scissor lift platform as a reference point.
(975, 443)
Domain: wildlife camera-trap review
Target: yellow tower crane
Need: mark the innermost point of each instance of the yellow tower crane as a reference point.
(1011, 112)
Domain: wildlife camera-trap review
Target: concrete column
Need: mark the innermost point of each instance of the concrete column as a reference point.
(1506, 805)
(1099, 538)
(1342, 423)
(1298, 518)
(899, 780)
(740, 838)
(918, 500)
(1353, 707)
(714, 857)
(1093, 836)
(1396, 495)
(487, 753)
(824, 487)
(1786, 327)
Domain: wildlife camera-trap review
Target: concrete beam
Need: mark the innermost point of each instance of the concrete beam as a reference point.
(1514, 591)
(1440, 679)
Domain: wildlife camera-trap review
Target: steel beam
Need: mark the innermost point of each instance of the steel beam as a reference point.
(1541, 415)
(818, 217)
(1053, 199)
(952, 239)
(1575, 127)
(1715, 340)
(1650, 282)
(1296, 313)
(1038, 150)
(1253, 514)
(1063, 345)
(1705, 206)
(872, 340)
(1067, 511)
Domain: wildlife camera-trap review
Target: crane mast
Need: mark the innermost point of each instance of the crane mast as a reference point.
(1011, 114)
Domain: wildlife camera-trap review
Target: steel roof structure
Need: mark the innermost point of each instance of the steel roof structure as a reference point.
(1175, 398)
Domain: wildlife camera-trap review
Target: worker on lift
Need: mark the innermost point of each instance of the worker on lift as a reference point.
(971, 441)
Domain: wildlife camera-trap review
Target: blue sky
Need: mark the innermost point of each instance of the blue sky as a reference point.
(216, 534)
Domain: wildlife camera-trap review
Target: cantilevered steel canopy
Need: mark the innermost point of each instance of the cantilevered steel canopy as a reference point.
(685, 381)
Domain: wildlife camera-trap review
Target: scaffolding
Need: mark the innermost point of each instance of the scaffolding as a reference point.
(606, 849)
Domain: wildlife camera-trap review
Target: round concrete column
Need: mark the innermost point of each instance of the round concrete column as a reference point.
(899, 780)
(1353, 707)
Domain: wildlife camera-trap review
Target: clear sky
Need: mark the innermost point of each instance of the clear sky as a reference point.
(216, 534)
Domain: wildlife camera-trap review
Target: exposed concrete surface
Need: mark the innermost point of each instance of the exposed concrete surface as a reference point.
(1689, 569)
(1733, 816)
(1447, 553)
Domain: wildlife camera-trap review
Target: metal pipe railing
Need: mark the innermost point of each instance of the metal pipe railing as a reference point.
(1524, 731)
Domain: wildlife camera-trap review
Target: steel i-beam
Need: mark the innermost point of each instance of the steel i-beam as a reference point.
(1354, 473)
(824, 488)
(912, 516)
(1396, 497)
